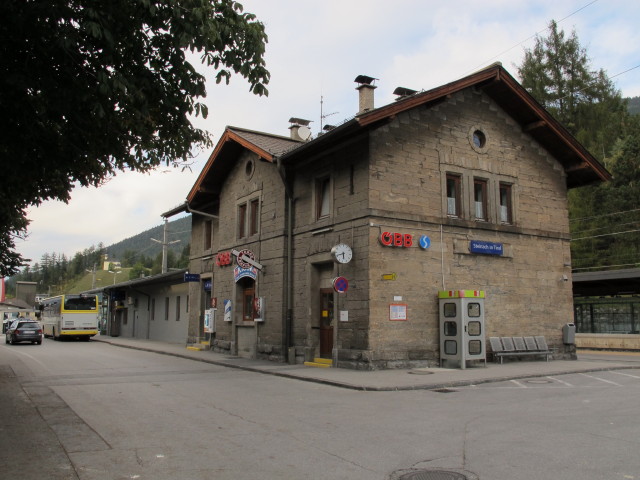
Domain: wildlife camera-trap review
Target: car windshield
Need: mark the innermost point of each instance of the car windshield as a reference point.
(28, 325)
(80, 302)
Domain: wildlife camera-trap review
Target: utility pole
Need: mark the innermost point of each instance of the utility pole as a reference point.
(93, 276)
(165, 244)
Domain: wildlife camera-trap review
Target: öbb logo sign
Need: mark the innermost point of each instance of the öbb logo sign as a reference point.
(395, 239)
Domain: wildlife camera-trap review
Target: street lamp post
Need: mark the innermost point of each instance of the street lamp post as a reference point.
(114, 275)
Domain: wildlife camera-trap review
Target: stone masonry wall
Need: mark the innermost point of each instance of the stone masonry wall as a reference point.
(261, 340)
(525, 293)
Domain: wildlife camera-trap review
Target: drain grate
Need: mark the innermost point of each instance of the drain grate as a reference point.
(540, 381)
(433, 475)
(444, 390)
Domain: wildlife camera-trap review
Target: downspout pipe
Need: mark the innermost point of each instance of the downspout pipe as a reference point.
(288, 319)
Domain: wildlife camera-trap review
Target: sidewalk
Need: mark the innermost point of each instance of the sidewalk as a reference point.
(396, 379)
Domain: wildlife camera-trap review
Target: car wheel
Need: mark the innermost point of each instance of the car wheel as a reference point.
(39, 343)
(6, 339)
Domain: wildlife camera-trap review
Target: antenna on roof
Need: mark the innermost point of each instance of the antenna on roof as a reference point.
(325, 115)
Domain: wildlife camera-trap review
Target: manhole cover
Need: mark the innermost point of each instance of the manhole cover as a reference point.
(433, 475)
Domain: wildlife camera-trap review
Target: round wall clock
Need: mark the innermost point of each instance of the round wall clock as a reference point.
(342, 253)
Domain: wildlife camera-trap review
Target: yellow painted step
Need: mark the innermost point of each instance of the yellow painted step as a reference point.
(197, 348)
(320, 363)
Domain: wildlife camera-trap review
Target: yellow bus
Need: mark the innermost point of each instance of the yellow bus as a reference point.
(70, 316)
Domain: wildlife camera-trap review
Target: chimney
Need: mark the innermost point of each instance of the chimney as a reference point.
(365, 88)
(299, 129)
(403, 93)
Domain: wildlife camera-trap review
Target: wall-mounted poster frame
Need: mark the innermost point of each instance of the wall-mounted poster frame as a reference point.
(398, 312)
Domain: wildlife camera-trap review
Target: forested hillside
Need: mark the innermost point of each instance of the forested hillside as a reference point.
(139, 255)
(143, 245)
(633, 105)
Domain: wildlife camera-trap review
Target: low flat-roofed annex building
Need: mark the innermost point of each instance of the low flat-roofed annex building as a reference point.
(337, 246)
(150, 308)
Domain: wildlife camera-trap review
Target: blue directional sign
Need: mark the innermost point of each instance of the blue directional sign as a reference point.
(485, 248)
(425, 242)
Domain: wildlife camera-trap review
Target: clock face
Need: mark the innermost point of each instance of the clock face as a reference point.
(342, 253)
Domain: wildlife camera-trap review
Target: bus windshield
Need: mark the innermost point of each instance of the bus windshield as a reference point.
(80, 302)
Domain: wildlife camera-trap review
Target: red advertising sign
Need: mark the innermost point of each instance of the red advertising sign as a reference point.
(223, 259)
(395, 239)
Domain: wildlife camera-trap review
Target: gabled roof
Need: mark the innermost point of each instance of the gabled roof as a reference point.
(232, 142)
(581, 167)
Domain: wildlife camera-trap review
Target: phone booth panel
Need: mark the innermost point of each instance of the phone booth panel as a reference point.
(461, 327)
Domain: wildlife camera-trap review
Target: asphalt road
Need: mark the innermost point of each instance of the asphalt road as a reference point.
(75, 410)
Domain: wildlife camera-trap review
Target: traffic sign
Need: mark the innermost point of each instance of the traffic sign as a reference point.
(340, 284)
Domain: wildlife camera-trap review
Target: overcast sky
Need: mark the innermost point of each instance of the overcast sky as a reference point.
(315, 51)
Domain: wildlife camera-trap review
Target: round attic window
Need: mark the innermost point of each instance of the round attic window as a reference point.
(478, 139)
(249, 168)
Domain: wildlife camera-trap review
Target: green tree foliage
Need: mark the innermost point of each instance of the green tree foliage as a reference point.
(138, 271)
(606, 219)
(92, 87)
(557, 72)
(634, 105)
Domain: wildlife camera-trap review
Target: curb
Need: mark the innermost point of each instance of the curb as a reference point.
(365, 388)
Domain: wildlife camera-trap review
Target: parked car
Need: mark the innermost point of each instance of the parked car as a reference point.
(24, 331)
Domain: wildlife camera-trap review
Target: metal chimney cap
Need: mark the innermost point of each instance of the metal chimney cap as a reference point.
(404, 92)
(299, 121)
(365, 80)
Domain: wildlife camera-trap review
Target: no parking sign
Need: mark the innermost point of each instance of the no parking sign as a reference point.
(340, 284)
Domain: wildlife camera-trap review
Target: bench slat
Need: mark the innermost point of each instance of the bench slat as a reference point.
(542, 343)
(530, 342)
(519, 344)
(496, 345)
(507, 343)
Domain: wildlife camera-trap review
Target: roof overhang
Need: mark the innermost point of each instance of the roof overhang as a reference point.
(607, 283)
(170, 278)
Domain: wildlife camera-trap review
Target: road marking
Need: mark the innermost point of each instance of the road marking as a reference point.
(521, 385)
(566, 384)
(602, 380)
(626, 374)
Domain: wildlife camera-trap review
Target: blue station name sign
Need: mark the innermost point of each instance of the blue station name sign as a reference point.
(485, 248)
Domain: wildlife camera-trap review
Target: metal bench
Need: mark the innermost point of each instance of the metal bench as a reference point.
(519, 347)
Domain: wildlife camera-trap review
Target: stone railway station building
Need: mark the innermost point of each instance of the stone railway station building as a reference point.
(336, 246)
